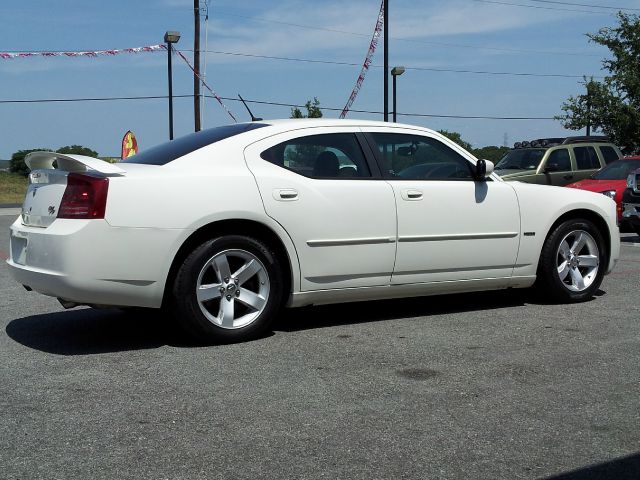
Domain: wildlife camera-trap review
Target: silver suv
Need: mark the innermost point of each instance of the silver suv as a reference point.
(557, 161)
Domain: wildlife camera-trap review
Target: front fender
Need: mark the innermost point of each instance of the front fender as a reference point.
(542, 206)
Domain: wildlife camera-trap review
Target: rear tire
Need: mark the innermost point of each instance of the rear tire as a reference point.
(572, 262)
(228, 289)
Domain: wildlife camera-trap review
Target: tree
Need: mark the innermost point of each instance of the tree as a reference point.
(313, 110)
(491, 153)
(612, 105)
(77, 150)
(17, 164)
(457, 138)
(302, 155)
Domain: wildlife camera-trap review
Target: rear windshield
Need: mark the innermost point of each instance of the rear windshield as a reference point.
(169, 151)
(618, 170)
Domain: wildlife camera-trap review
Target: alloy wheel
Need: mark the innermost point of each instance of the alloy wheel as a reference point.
(233, 289)
(578, 260)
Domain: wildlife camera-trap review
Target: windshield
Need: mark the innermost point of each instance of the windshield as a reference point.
(618, 170)
(521, 159)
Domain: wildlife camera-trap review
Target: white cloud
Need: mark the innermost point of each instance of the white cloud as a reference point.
(268, 34)
(464, 17)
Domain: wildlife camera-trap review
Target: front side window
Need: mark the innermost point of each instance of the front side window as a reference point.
(586, 158)
(414, 157)
(559, 161)
(334, 155)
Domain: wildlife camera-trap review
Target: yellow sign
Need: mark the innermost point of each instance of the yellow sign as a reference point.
(129, 145)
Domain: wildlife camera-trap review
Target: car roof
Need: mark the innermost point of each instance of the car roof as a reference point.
(289, 123)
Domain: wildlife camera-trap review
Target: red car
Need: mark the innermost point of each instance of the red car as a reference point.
(610, 180)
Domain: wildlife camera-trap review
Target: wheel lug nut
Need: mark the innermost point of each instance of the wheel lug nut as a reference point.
(237, 293)
(236, 281)
(221, 289)
(229, 297)
(226, 280)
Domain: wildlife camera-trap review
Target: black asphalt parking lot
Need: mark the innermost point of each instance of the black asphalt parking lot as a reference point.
(489, 385)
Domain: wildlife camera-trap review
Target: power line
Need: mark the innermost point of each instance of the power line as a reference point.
(262, 102)
(608, 7)
(429, 69)
(92, 99)
(351, 64)
(377, 112)
(538, 7)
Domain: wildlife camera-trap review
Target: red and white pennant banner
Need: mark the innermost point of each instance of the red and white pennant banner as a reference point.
(215, 95)
(96, 53)
(367, 61)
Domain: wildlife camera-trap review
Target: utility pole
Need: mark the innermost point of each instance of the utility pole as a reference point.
(196, 64)
(589, 107)
(386, 60)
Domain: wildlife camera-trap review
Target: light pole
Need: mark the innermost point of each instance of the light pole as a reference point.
(395, 72)
(385, 13)
(170, 38)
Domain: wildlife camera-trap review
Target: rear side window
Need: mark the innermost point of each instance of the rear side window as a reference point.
(169, 151)
(609, 154)
(586, 158)
(333, 155)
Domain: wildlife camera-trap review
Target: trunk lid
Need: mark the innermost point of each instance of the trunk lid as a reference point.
(48, 182)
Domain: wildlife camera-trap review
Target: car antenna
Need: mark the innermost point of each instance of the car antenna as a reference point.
(253, 119)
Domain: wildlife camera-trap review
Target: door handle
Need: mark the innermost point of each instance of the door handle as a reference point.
(411, 195)
(285, 194)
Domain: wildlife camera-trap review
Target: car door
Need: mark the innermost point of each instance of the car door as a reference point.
(340, 215)
(450, 227)
(587, 162)
(557, 168)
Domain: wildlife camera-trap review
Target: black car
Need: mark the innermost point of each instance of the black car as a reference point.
(631, 202)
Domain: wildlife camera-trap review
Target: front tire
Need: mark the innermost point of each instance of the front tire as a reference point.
(572, 262)
(228, 289)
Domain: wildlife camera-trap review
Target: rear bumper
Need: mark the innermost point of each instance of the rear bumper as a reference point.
(90, 262)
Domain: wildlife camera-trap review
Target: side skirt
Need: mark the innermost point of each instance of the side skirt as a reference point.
(384, 292)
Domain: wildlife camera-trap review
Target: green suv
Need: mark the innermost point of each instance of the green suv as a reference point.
(557, 161)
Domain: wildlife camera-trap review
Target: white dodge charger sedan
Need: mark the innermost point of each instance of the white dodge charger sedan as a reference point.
(223, 227)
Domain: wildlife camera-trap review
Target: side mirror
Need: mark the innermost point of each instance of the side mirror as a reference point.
(484, 168)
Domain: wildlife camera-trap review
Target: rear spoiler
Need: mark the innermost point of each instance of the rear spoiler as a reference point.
(71, 163)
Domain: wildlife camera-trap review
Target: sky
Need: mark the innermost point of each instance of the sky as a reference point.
(538, 37)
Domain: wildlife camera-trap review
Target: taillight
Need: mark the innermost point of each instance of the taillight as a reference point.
(84, 197)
